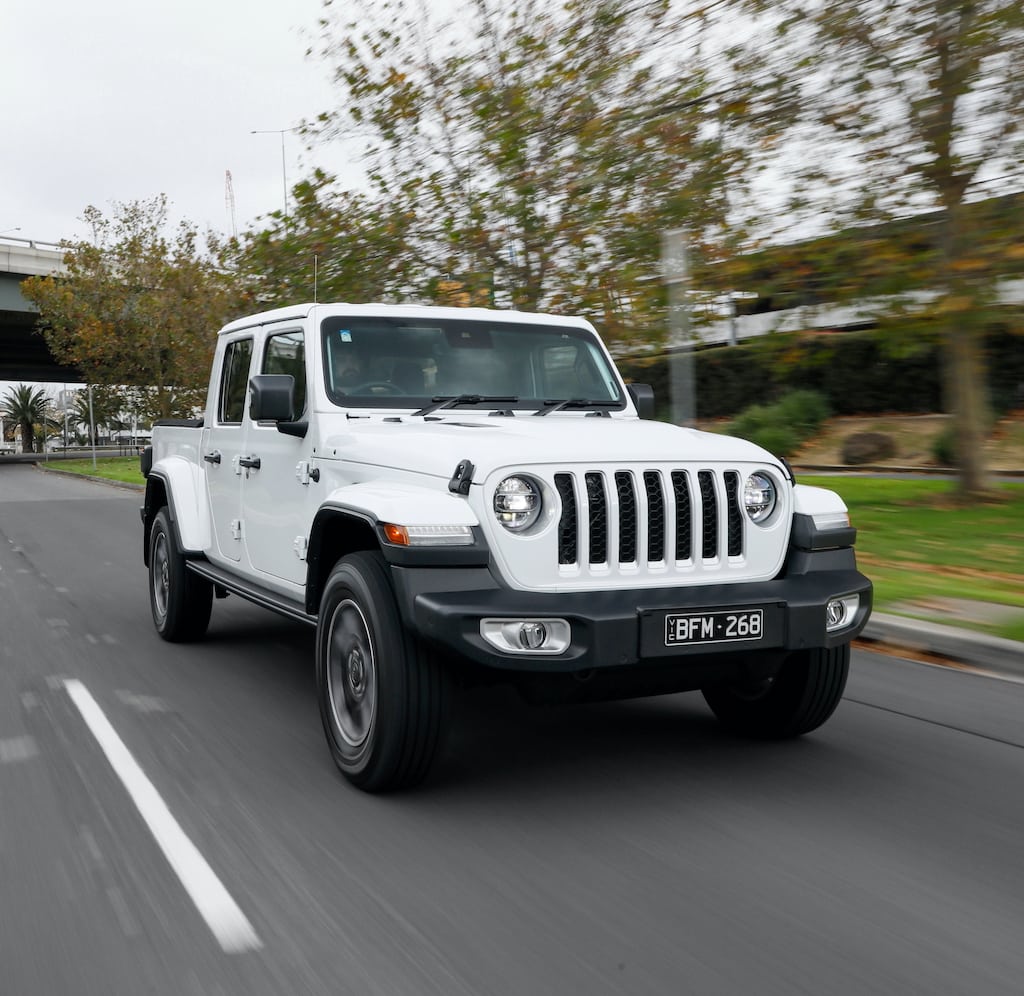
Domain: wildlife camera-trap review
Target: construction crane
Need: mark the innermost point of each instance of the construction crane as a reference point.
(229, 202)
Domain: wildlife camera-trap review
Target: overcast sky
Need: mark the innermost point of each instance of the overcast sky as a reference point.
(117, 100)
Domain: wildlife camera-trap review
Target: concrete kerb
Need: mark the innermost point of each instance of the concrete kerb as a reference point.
(981, 650)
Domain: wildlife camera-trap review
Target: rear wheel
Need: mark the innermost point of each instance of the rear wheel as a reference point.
(382, 696)
(181, 601)
(798, 699)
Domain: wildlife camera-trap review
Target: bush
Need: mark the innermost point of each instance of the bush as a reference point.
(752, 420)
(779, 440)
(867, 447)
(804, 410)
(781, 428)
(944, 447)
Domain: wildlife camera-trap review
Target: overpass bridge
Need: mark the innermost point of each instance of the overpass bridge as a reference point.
(23, 352)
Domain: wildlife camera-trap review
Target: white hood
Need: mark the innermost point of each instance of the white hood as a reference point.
(435, 447)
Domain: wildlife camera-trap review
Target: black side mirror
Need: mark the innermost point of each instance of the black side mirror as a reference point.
(272, 398)
(643, 398)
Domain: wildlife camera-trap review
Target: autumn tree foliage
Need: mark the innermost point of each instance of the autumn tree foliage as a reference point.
(530, 153)
(137, 308)
(335, 245)
(896, 108)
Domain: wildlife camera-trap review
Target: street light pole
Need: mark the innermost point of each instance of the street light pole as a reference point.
(284, 173)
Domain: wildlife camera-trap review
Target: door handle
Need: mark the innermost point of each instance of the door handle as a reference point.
(253, 463)
(213, 457)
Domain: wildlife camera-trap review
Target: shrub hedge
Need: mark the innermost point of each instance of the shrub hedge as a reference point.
(783, 426)
(859, 373)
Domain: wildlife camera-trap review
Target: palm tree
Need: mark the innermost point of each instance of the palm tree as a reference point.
(104, 412)
(26, 406)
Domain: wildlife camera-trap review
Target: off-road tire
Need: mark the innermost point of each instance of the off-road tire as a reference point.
(798, 699)
(180, 601)
(382, 695)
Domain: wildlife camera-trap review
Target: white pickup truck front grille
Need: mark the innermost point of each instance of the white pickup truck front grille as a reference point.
(629, 517)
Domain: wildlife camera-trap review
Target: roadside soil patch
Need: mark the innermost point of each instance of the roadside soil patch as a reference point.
(913, 437)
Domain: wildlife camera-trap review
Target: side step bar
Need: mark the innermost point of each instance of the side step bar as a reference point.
(264, 597)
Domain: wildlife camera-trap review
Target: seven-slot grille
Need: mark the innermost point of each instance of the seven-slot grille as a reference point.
(661, 516)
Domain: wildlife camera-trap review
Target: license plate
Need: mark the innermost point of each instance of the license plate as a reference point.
(727, 626)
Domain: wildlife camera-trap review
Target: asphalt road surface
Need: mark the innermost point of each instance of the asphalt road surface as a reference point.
(627, 848)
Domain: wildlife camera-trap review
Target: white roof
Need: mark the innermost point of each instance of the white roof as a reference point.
(421, 311)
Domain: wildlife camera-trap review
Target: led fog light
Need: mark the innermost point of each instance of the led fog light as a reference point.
(532, 635)
(840, 612)
(527, 636)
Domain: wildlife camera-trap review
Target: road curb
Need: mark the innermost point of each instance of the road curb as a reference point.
(965, 645)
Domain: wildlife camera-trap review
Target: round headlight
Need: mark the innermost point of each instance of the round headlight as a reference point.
(517, 503)
(759, 497)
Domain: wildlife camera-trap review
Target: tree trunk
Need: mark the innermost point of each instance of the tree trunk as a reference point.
(26, 438)
(966, 390)
(965, 382)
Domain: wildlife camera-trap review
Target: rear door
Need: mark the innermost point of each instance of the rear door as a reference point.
(222, 447)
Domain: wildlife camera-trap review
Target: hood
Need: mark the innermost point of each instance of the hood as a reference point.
(435, 447)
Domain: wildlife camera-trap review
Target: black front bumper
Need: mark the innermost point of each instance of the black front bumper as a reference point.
(624, 627)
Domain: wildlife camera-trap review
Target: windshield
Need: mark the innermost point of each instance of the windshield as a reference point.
(410, 363)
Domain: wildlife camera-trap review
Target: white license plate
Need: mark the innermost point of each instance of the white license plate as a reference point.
(727, 626)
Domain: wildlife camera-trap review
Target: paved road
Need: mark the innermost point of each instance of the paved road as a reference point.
(628, 848)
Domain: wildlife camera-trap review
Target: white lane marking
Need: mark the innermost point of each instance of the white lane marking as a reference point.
(221, 913)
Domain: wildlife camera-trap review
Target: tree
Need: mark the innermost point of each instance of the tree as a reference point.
(335, 246)
(27, 407)
(136, 307)
(909, 106)
(105, 411)
(536, 151)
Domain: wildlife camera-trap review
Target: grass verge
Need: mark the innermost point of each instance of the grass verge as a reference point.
(923, 552)
(123, 469)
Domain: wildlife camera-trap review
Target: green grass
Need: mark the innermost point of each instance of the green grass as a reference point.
(915, 544)
(124, 469)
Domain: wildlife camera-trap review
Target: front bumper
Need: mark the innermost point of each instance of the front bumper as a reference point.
(622, 627)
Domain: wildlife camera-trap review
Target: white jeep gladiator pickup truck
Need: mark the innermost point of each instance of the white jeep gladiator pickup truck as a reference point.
(472, 495)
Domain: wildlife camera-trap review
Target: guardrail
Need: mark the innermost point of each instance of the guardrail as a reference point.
(83, 453)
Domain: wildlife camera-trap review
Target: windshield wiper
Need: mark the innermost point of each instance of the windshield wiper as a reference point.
(454, 401)
(554, 406)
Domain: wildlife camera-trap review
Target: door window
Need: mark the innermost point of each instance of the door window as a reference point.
(234, 381)
(285, 353)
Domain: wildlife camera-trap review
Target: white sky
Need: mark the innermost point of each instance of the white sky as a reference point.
(117, 100)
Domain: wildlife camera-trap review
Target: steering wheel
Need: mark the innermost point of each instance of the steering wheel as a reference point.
(375, 387)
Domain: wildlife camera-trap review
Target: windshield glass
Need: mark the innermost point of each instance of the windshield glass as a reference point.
(373, 362)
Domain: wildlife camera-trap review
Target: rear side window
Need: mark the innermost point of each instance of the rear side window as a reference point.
(285, 353)
(234, 381)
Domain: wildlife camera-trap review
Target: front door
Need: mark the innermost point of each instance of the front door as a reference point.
(276, 495)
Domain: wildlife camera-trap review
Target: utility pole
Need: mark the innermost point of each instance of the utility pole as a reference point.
(229, 202)
(682, 382)
(284, 173)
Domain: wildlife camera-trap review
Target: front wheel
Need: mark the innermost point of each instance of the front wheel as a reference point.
(181, 601)
(798, 699)
(382, 696)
